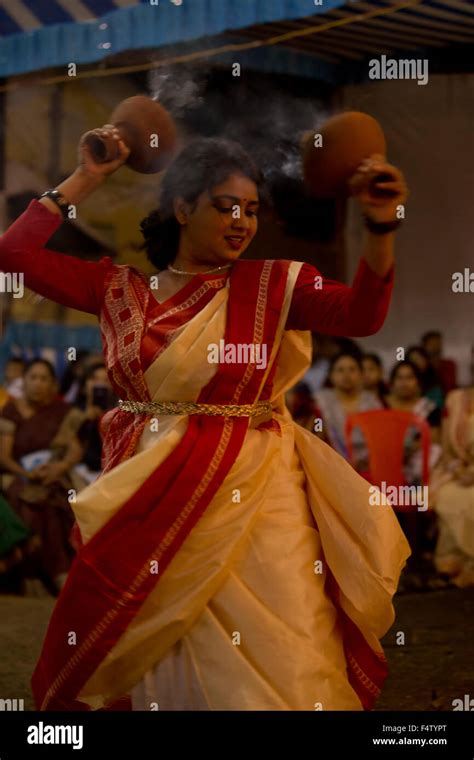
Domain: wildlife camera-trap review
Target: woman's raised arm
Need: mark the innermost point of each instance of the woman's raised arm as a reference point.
(65, 279)
(333, 308)
(330, 307)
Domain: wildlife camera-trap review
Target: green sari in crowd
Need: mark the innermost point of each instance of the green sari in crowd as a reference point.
(12, 529)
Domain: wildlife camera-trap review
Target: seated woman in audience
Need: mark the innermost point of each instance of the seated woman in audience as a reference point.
(301, 405)
(430, 381)
(95, 396)
(446, 369)
(38, 447)
(406, 395)
(372, 374)
(14, 543)
(452, 490)
(73, 375)
(345, 396)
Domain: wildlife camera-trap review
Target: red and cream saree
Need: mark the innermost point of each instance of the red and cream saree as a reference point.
(226, 564)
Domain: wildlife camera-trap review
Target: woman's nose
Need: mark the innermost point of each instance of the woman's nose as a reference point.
(241, 223)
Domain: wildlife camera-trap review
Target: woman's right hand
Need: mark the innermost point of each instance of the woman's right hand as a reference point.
(86, 163)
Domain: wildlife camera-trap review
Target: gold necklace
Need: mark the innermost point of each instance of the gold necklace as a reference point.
(207, 271)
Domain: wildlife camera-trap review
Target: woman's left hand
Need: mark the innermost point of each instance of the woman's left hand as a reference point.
(51, 472)
(377, 206)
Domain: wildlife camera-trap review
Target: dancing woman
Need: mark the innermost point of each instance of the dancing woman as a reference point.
(230, 559)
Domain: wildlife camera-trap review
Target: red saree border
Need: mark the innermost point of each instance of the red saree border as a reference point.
(101, 595)
(160, 330)
(122, 318)
(128, 302)
(115, 589)
(367, 670)
(179, 309)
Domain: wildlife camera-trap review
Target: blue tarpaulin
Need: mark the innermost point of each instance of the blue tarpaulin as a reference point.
(37, 34)
(41, 34)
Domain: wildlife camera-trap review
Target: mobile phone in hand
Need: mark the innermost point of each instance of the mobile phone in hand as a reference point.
(101, 396)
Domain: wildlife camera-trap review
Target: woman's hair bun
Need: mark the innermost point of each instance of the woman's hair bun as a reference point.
(151, 224)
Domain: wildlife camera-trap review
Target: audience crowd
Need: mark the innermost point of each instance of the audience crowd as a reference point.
(344, 381)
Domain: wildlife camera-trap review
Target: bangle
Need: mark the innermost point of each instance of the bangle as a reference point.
(59, 200)
(381, 228)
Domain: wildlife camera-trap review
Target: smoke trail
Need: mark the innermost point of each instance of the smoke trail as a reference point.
(178, 88)
(253, 110)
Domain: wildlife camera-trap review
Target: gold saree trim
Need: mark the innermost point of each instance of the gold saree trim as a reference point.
(189, 407)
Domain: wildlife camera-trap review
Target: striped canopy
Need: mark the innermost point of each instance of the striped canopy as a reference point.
(295, 36)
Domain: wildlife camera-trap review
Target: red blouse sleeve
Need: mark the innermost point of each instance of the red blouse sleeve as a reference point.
(65, 279)
(330, 307)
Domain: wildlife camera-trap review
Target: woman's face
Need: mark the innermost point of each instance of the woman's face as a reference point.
(405, 384)
(372, 373)
(222, 224)
(98, 377)
(39, 386)
(433, 347)
(346, 375)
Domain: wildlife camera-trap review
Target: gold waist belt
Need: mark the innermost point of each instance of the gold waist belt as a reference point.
(189, 407)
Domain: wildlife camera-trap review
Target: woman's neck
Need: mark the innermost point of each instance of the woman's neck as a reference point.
(404, 403)
(38, 404)
(186, 259)
(348, 395)
(192, 266)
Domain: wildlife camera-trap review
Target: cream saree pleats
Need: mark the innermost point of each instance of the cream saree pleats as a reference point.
(241, 618)
(269, 636)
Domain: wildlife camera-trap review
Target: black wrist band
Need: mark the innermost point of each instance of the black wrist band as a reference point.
(59, 200)
(381, 228)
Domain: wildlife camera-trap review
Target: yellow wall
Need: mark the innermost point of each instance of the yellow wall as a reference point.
(116, 207)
